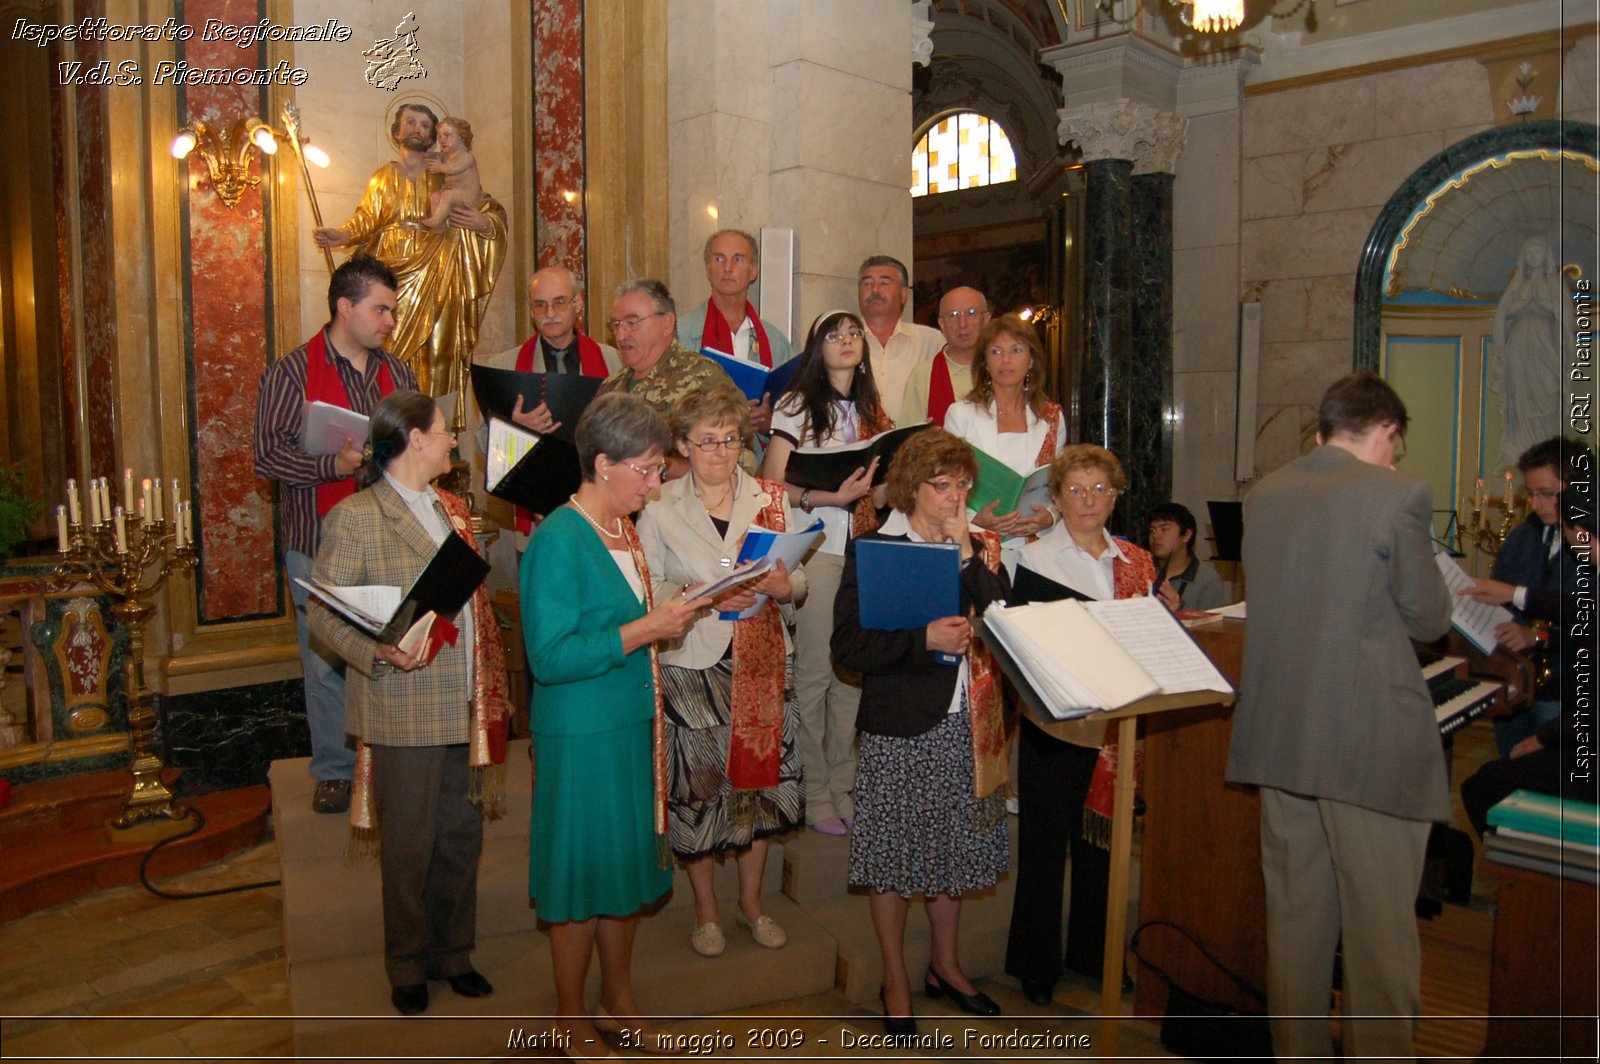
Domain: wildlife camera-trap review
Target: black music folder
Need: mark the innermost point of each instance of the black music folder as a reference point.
(442, 588)
(826, 470)
(1028, 586)
(538, 473)
(567, 394)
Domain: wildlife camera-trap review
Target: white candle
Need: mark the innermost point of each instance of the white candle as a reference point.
(147, 505)
(127, 489)
(105, 499)
(144, 511)
(188, 524)
(1478, 499)
(177, 526)
(72, 500)
(94, 504)
(122, 531)
(174, 500)
(1508, 491)
(61, 527)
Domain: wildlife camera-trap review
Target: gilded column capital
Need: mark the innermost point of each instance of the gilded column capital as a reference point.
(1124, 129)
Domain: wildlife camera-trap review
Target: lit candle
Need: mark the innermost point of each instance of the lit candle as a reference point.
(61, 527)
(1508, 491)
(147, 505)
(122, 531)
(72, 500)
(127, 489)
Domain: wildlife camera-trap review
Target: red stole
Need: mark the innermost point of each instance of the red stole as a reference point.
(941, 390)
(323, 384)
(716, 334)
(590, 361)
(1131, 579)
(865, 518)
(755, 725)
(592, 364)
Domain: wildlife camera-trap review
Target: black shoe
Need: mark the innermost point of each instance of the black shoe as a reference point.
(1040, 993)
(470, 984)
(977, 1003)
(897, 1026)
(410, 1000)
(333, 796)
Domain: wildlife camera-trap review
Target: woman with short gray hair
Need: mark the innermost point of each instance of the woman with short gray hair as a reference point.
(591, 625)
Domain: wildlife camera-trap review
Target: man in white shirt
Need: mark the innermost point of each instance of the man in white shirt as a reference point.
(895, 347)
(727, 322)
(946, 378)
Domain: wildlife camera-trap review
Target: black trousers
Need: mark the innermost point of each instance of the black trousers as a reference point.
(430, 836)
(1052, 783)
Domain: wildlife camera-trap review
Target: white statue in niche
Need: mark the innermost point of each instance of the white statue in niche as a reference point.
(1534, 332)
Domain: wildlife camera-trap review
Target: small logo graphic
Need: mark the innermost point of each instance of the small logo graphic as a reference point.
(392, 61)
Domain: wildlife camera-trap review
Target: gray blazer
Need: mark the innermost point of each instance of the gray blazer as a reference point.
(682, 547)
(1341, 577)
(373, 538)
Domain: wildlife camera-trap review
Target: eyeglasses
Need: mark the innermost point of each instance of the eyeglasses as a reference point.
(956, 315)
(659, 472)
(711, 446)
(839, 336)
(631, 322)
(947, 486)
(442, 432)
(1093, 491)
(559, 303)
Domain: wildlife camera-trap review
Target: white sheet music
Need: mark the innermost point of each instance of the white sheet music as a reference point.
(1149, 632)
(1473, 619)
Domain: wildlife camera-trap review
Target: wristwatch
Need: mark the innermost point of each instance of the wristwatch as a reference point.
(805, 500)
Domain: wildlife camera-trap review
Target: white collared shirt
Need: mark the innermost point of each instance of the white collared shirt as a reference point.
(1055, 555)
(892, 363)
(421, 504)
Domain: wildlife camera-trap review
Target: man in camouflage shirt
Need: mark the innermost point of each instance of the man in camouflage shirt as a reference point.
(655, 367)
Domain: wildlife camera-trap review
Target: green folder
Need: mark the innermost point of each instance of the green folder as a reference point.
(1549, 816)
(999, 483)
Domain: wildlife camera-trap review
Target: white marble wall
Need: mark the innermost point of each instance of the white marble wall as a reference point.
(1318, 164)
(793, 116)
(348, 118)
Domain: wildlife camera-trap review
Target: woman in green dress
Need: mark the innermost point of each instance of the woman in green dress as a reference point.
(596, 856)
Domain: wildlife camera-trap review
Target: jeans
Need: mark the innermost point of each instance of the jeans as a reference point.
(331, 758)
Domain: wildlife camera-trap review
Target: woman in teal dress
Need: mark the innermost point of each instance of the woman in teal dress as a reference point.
(596, 858)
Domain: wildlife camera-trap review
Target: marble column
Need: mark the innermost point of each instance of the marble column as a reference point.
(1129, 150)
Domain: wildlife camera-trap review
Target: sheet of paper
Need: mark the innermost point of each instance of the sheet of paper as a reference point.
(1236, 610)
(1475, 620)
(1153, 636)
(739, 574)
(367, 606)
(1071, 646)
(507, 444)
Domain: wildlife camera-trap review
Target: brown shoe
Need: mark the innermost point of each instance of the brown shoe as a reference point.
(331, 796)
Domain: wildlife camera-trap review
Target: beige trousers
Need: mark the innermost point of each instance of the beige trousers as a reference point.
(828, 700)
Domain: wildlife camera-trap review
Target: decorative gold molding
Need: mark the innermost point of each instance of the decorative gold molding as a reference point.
(63, 750)
(229, 660)
(1488, 51)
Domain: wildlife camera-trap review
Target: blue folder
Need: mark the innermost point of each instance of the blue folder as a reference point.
(749, 377)
(905, 585)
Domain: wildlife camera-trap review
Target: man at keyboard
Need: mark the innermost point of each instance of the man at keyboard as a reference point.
(1336, 727)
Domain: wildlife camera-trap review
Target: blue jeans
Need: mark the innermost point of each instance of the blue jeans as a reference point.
(331, 758)
(1509, 731)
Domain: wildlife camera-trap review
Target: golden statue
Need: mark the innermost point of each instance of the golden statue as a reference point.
(445, 277)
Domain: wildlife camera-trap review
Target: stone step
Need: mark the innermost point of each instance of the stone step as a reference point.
(342, 1004)
(815, 867)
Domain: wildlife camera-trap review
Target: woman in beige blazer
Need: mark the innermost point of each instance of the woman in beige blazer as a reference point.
(733, 770)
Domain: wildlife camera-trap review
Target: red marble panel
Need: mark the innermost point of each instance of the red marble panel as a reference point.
(227, 285)
(95, 254)
(71, 414)
(558, 132)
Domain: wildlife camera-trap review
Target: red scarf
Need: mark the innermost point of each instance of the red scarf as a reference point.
(755, 725)
(716, 334)
(941, 390)
(323, 384)
(591, 363)
(1131, 579)
(865, 518)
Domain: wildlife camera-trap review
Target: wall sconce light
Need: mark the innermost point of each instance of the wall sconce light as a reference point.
(1212, 16)
(227, 153)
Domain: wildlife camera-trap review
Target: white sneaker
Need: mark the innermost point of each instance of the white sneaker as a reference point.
(707, 940)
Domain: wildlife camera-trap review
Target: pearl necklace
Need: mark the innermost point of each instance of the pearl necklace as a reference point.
(576, 505)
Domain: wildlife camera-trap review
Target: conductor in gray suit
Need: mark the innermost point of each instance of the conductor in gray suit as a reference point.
(1336, 726)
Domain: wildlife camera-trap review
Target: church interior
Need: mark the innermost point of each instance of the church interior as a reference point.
(1208, 228)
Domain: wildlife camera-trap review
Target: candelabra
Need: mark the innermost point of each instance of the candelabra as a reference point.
(1483, 531)
(128, 552)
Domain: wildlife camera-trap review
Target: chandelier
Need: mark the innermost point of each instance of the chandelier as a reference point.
(1211, 16)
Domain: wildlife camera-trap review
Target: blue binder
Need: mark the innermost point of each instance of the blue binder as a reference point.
(905, 585)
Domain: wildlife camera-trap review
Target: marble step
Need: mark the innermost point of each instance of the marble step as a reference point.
(342, 1003)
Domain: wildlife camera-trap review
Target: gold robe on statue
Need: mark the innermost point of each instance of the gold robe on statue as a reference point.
(445, 278)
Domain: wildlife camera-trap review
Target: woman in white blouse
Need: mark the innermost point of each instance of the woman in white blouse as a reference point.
(1007, 416)
(832, 402)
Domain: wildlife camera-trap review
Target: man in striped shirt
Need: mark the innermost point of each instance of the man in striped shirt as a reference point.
(344, 364)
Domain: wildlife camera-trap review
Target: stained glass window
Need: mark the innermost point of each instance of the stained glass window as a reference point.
(963, 150)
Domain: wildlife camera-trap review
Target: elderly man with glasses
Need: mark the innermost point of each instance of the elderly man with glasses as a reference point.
(946, 378)
(655, 366)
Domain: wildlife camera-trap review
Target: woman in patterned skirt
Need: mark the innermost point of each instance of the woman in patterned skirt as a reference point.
(930, 814)
(733, 770)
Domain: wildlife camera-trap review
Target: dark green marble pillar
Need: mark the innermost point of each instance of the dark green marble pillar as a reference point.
(1148, 453)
